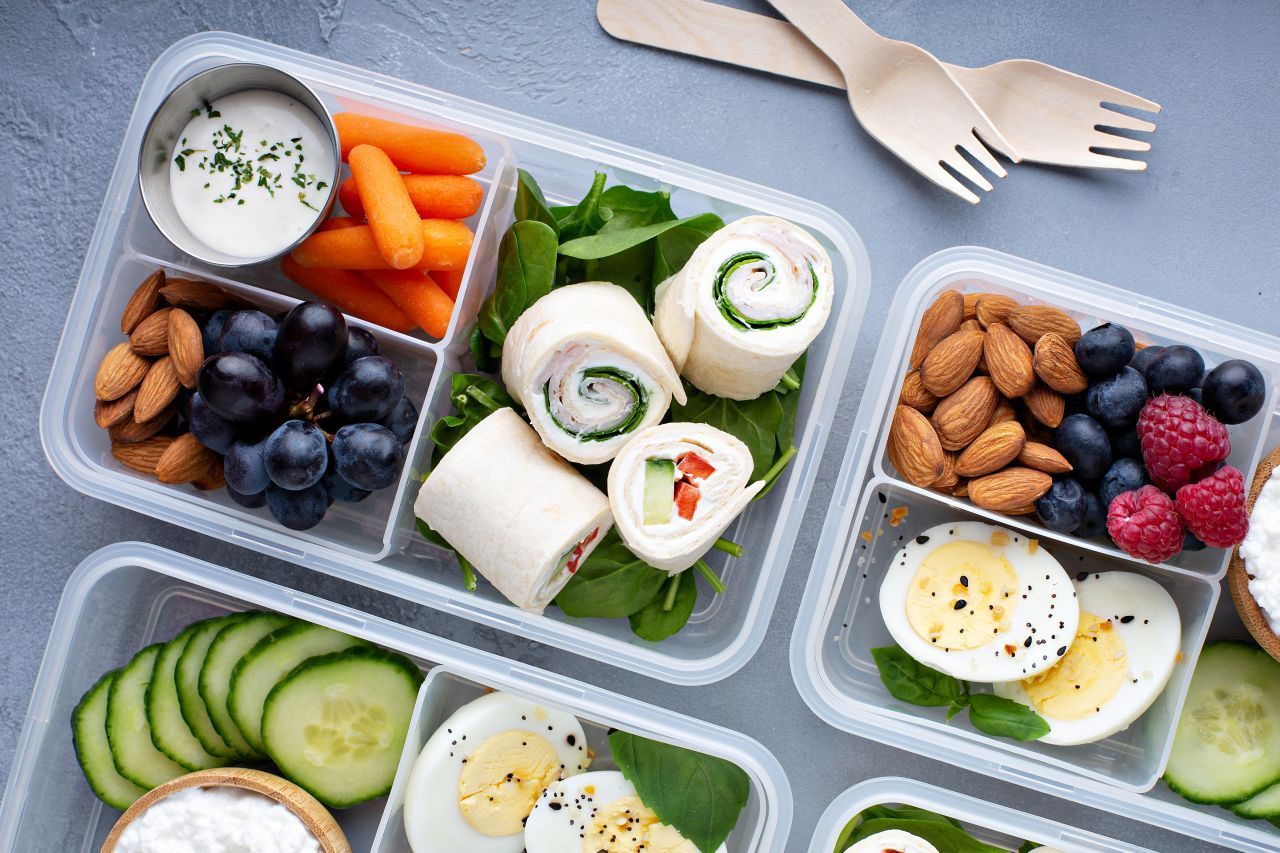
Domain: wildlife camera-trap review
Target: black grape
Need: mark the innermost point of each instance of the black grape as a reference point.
(367, 455)
(403, 420)
(210, 428)
(249, 331)
(240, 388)
(301, 509)
(311, 340)
(367, 390)
(296, 455)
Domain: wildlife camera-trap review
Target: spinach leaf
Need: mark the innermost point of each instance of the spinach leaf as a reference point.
(910, 681)
(630, 269)
(700, 795)
(906, 813)
(667, 614)
(485, 353)
(530, 203)
(788, 392)
(468, 571)
(631, 208)
(756, 422)
(1003, 717)
(585, 217)
(611, 583)
(672, 249)
(526, 273)
(475, 397)
(943, 836)
(604, 243)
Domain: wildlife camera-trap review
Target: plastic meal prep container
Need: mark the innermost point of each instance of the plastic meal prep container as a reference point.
(126, 596)
(839, 619)
(375, 543)
(994, 824)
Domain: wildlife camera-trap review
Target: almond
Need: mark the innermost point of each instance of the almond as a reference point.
(950, 364)
(1055, 363)
(970, 311)
(940, 319)
(914, 448)
(962, 417)
(129, 431)
(1010, 490)
(1004, 413)
(186, 346)
(194, 295)
(961, 489)
(970, 325)
(1008, 361)
(158, 390)
(185, 460)
(142, 456)
(143, 302)
(1044, 458)
(995, 448)
(949, 479)
(1046, 406)
(108, 414)
(151, 337)
(211, 479)
(120, 372)
(915, 395)
(1032, 322)
(1029, 509)
(994, 308)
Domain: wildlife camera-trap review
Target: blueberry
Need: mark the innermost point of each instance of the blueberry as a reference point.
(210, 428)
(1234, 391)
(1063, 507)
(1104, 350)
(367, 390)
(1142, 360)
(1190, 542)
(298, 509)
(250, 501)
(212, 331)
(367, 455)
(245, 468)
(1124, 475)
(340, 489)
(1095, 516)
(360, 343)
(1085, 444)
(1176, 369)
(403, 420)
(1125, 444)
(1118, 400)
(296, 455)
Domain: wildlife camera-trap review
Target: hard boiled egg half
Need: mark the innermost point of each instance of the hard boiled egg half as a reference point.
(599, 812)
(480, 774)
(1120, 660)
(979, 602)
(893, 841)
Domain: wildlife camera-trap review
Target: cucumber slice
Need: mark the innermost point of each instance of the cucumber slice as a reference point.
(659, 490)
(187, 677)
(128, 734)
(89, 735)
(268, 662)
(169, 730)
(1227, 746)
(337, 724)
(231, 644)
(1264, 805)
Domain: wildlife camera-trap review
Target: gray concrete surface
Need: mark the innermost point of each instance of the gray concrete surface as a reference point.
(1198, 229)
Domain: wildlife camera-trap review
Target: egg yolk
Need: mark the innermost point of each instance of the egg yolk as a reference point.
(626, 825)
(1089, 674)
(962, 595)
(502, 780)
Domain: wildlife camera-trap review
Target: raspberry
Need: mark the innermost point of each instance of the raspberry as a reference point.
(1181, 441)
(1213, 508)
(1145, 525)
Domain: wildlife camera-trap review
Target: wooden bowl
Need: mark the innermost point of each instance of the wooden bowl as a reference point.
(307, 808)
(1238, 574)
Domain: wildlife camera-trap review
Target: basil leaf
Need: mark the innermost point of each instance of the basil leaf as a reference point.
(672, 249)
(530, 203)
(526, 272)
(910, 681)
(584, 217)
(654, 622)
(474, 397)
(943, 836)
(468, 572)
(700, 795)
(1003, 717)
(611, 583)
(756, 422)
(603, 244)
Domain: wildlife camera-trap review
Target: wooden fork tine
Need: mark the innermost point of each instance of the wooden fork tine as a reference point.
(1111, 118)
(944, 179)
(978, 150)
(1119, 143)
(1094, 160)
(1111, 95)
(957, 162)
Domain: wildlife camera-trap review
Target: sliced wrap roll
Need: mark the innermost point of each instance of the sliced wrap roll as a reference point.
(749, 301)
(521, 515)
(675, 488)
(589, 370)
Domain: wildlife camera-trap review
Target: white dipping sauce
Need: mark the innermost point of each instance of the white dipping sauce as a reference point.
(251, 172)
(220, 819)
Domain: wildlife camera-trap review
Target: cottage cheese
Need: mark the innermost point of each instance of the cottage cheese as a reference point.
(217, 820)
(1261, 550)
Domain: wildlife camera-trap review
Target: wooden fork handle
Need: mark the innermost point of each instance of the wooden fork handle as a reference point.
(833, 27)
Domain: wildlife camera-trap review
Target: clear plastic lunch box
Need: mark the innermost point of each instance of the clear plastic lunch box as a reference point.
(993, 824)
(129, 595)
(374, 543)
(839, 618)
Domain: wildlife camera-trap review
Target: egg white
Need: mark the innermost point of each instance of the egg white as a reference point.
(1146, 619)
(893, 841)
(432, 820)
(1043, 621)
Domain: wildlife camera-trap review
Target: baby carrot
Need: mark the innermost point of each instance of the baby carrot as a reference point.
(351, 293)
(333, 223)
(450, 281)
(397, 228)
(446, 244)
(419, 297)
(433, 196)
(412, 149)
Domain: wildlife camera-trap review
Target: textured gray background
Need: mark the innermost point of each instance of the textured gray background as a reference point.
(1198, 229)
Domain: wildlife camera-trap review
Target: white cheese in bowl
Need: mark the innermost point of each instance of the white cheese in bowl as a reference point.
(219, 819)
(1261, 550)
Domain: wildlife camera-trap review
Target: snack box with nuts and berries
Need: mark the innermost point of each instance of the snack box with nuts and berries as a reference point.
(375, 542)
(886, 498)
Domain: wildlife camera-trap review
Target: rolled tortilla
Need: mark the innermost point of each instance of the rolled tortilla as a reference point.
(520, 514)
(675, 543)
(749, 301)
(589, 370)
